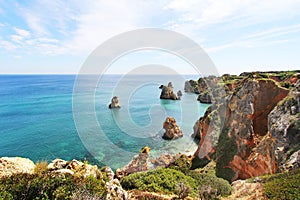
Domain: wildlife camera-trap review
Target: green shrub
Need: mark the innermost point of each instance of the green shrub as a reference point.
(183, 164)
(286, 84)
(163, 180)
(283, 186)
(209, 181)
(47, 186)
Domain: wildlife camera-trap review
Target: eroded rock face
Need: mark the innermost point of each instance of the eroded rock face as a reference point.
(139, 163)
(15, 165)
(204, 98)
(173, 131)
(251, 151)
(284, 126)
(245, 147)
(114, 103)
(114, 190)
(167, 92)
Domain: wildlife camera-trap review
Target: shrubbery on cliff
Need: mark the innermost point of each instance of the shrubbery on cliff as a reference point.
(283, 186)
(170, 181)
(162, 180)
(49, 186)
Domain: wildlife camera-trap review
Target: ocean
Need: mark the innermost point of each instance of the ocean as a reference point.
(40, 120)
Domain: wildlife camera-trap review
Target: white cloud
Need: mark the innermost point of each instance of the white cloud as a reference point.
(22, 32)
(7, 45)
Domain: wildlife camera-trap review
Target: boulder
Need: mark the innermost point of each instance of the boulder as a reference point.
(15, 165)
(114, 103)
(172, 130)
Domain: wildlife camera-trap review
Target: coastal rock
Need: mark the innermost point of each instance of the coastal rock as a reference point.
(198, 86)
(163, 160)
(114, 190)
(292, 163)
(204, 98)
(57, 164)
(15, 165)
(172, 130)
(114, 103)
(74, 167)
(244, 190)
(179, 94)
(284, 126)
(139, 163)
(110, 173)
(239, 140)
(167, 92)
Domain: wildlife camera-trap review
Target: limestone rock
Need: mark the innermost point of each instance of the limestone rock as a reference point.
(114, 103)
(57, 164)
(163, 160)
(167, 92)
(74, 165)
(204, 98)
(64, 171)
(179, 94)
(114, 191)
(292, 163)
(172, 130)
(15, 165)
(110, 173)
(139, 163)
(284, 126)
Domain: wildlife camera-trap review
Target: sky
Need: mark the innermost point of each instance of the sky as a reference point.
(56, 36)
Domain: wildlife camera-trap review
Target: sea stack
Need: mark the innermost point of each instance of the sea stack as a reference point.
(167, 92)
(114, 103)
(173, 131)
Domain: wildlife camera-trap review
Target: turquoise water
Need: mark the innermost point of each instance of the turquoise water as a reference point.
(37, 118)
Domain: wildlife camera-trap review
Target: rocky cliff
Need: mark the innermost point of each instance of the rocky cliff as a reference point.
(252, 132)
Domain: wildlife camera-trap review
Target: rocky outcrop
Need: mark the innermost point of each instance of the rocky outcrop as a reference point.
(172, 130)
(179, 94)
(245, 190)
(114, 189)
(114, 103)
(204, 98)
(73, 167)
(284, 127)
(235, 133)
(167, 92)
(15, 165)
(139, 163)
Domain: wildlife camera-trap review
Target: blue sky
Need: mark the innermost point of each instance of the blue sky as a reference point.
(239, 35)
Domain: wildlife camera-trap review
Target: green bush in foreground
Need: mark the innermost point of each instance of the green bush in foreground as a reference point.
(221, 186)
(283, 186)
(162, 180)
(47, 186)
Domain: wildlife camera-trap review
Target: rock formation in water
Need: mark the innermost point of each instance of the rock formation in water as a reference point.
(139, 163)
(172, 130)
(167, 92)
(251, 132)
(179, 94)
(114, 103)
